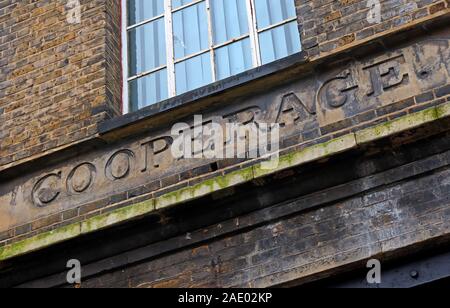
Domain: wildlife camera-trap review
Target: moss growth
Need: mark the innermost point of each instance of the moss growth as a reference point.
(397, 126)
(309, 154)
(443, 111)
(120, 215)
(40, 241)
(205, 188)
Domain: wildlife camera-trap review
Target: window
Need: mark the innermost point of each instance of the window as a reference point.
(174, 46)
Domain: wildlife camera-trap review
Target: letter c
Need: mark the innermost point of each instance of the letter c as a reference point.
(46, 190)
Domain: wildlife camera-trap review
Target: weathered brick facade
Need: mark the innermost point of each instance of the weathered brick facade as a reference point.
(57, 80)
(329, 25)
(370, 224)
(364, 172)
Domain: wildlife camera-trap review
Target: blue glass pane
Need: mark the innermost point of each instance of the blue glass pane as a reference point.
(270, 12)
(148, 90)
(233, 59)
(141, 10)
(230, 19)
(178, 3)
(193, 73)
(190, 30)
(280, 42)
(146, 47)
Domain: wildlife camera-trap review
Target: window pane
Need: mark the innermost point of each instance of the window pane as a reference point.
(190, 30)
(270, 12)
(193, 73)
(233, 59)
(230, 19)
(280, 42)
(147, 47)
(178, 3)
(148, 90)
(141, 10)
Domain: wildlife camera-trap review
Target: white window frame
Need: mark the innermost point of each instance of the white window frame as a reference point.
(253, 35)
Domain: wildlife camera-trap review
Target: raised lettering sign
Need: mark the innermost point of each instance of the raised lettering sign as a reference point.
(304, 105)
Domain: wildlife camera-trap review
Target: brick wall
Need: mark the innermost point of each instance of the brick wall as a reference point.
(388, 201)
(327, 25)
(57, 80)
(18, 223)
(401, 213)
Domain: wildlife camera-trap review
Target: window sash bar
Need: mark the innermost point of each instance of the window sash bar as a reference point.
(186, 6)
(211, 40)
(233, 40)
(281, 23)
(254, 39)
(142, 23)
(213, 48)
(124, 38)
(199, 53)
(143, 74)
(170, 48)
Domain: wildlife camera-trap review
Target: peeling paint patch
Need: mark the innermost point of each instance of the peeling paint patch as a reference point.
(13, 196)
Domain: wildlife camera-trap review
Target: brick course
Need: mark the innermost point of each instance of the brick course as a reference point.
(57, 80)
(326, 25)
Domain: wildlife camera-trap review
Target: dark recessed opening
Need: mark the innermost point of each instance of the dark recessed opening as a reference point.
(214, 166)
